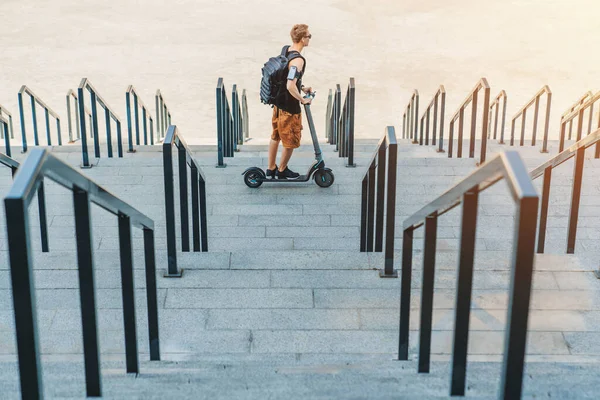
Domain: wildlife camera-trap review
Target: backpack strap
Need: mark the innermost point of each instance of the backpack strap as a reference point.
(284, 50)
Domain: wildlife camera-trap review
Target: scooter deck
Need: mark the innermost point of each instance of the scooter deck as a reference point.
(301, 178)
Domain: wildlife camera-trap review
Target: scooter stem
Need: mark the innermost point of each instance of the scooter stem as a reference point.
(313, 133)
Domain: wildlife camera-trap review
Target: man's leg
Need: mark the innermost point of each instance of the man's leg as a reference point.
(273, 146)
(286, 154)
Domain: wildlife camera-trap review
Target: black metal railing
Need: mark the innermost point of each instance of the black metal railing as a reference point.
(245, 121)
(460, 113)
(14, 166)
(378, 204)
(8, 117)
(146, 118)
(199, 219)
(72, 97)
(522, 115)
(438, 101)
(345, 134)
(410, 118)
(34, 99)
(579, 113)
(507, 166)
(163, 115)
(238, 117)
(586, 96)
(229, 123)
(333, 116)
(108, 115)
(5, 133)
(577, 150)
(495, 115)
(39, 165)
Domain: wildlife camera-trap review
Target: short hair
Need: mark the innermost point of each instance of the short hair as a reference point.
(298, 32)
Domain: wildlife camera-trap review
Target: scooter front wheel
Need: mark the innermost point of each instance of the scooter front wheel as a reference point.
(324, 178)
(253, 179)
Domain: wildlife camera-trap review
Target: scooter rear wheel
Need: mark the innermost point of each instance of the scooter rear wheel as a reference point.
(253, 179)
(324, 178)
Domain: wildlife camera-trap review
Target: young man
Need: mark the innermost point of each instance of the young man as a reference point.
(287, 113)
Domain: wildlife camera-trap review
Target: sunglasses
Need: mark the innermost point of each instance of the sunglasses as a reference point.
(308, 37)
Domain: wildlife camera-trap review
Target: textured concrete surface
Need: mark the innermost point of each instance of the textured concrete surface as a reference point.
(285, 285)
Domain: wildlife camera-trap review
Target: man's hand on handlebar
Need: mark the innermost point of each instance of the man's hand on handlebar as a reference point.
(309, 96)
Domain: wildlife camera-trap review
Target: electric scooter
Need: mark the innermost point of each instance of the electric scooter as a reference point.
(254, 176)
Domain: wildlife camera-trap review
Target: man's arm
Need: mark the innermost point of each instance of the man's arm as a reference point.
(298, 64)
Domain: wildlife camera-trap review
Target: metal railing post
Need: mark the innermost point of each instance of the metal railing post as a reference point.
(390, 212)
(195, 209)
(328, 117)
(172, 270)
(427, 285)
(351, 118)
(128, 294)
(463, 292)
(519, 298)
(22, 117)
(575, 199)
(379, 207)
(544, 210)
(364, 207)
(220, 125)
(473, 125)
(371, 207)
(24, 301)
(405, 289)
(484, 124)
(151, 295)
(547, 123)
(183, 200)
(84, 149)
(442, 116)
(87, 291)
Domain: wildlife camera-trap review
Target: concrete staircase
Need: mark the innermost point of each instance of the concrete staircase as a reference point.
(284, 305)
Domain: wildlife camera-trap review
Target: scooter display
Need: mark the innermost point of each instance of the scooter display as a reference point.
(255, 176)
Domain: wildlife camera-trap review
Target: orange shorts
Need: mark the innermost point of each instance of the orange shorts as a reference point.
(287, 128)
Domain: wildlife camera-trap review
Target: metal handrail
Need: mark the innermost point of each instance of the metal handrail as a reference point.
(109, 114)
(441, 92)
(47, 113)
(10, 163)
(4, 111)
(410, 118)
(472, 98)
(226, 143)
(238, 118)
(334, 119)
(574, 107)
(523, 113)
(71, 95)
(377, 197)
(14, 166)
(246, 122)
(577, 150)
(509, 166)
(4, 130)
(39, 165)
(579, 112)
(163, 115)
(346, 125)
(146, 115)
(199, 214)
(496, 105)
